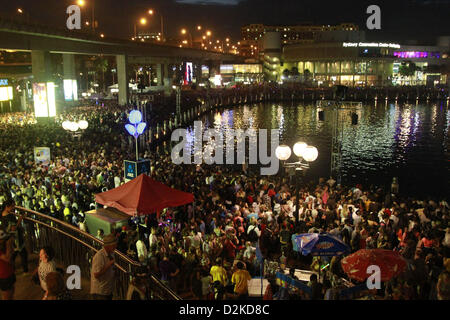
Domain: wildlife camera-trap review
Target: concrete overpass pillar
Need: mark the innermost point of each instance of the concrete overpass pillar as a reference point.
(159, 74)
(167, 80)
(214, 68)
(167, 77)
(41, 66)
(69, 66)
(122, 79)
(198, 72)
(69, 69)
(42, 72)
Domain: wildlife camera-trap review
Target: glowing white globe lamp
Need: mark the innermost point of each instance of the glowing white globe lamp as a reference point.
(66, 125)
(299, 148)
(310, 154)
(74, 126)
(83, 124)
(283, 152)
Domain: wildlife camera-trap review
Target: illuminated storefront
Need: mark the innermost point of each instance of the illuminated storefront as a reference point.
(241, 73)
(6, 95)
(360, 63)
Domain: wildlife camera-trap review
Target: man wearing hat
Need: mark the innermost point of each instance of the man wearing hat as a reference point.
(102, 272)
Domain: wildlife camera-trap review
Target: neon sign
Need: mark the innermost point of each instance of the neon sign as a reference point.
(416, 54)
(371, 45)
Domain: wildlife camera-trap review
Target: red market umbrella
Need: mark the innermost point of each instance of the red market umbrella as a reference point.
(391, 264)
(143, 195)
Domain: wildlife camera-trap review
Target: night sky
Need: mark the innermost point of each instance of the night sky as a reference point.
(401, 19)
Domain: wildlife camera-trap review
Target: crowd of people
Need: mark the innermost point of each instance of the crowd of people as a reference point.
(207, 250)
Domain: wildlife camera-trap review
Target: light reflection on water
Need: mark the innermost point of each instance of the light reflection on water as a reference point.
(404, 140)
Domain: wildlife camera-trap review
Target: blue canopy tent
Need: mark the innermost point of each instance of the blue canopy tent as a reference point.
(321, 245)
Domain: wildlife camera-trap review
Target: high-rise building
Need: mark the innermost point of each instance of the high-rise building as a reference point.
(253, 34)
(298, 33)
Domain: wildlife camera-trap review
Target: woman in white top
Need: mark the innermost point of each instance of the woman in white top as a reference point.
(46, 266)
(141, 251)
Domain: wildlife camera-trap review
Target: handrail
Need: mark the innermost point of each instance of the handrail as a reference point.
(72, 238)
(73, 228)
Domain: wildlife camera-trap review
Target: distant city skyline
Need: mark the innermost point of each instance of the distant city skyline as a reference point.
(401, 20)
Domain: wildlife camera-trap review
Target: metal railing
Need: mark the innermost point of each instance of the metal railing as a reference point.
(75, 247)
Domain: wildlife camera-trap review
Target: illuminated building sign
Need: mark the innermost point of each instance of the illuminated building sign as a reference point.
(371, 45)
(3, 82)
(44, 99)
(70, 90)
(188, 74)
(416, 54)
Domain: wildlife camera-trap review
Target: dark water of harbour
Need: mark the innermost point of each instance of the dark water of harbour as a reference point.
(408, 141)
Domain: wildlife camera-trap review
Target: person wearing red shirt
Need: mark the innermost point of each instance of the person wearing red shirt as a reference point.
(230, 247)
(271, 191)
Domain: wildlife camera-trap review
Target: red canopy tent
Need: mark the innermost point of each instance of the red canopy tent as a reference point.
(143, 195)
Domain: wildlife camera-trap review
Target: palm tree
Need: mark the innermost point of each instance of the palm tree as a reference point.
(407, 69)
(101, 65)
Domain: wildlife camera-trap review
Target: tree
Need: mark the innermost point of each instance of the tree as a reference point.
(286, 73)
(101, 65)
(294, 71)
(407, 69)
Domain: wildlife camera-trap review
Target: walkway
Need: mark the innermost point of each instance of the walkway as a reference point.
(26, 289)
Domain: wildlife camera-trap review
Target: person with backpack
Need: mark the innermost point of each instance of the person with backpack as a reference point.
(253, 233)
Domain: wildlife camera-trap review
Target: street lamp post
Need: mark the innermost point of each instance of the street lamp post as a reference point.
(136, 128)
(150, 12)
(73, 127)
(303, 152)
(143, 22)
(184, 31)
(22, 12)
(81, 3)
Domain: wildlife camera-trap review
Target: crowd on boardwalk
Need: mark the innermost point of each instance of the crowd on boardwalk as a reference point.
(207, 250)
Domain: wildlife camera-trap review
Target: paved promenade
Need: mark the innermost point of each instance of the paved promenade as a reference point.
(26, 289)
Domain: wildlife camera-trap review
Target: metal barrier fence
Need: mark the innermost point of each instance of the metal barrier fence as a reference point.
(75, 247)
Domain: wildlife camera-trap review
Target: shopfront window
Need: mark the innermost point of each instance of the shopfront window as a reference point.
(321, 67)
(371, 66)
(309, 66)
(347, 80)
(360, 67)
(333, 67)
(346, 67)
